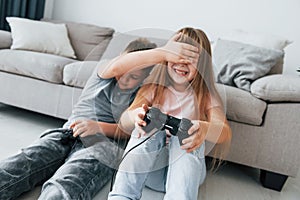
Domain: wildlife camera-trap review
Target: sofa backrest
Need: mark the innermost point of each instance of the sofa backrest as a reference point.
(120, 41)
(5, 39)
(89, 41)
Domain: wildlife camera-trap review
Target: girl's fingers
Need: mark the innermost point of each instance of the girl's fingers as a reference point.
(145, 107)
(189, 150)
(139, 120)
(190, 48)
(175, 37)
(139, 130)
(188, 140)
(194, 128)
(186, 146)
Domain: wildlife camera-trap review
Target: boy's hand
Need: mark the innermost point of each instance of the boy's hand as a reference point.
(179, 52)
(196, 138)
(84, 128)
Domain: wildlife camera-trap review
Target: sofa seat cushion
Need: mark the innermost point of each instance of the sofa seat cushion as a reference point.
(42, 66)
(241, 106)
(277, 88)
(76, 74)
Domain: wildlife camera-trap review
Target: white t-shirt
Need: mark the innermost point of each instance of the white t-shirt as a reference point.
(181, 104)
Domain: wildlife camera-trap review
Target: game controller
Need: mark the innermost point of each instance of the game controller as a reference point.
(66, 137)
(155, 119)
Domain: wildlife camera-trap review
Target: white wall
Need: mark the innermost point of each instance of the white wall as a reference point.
(48, 9)
(277, 17)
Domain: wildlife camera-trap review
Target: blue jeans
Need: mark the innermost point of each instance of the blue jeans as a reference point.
(162, 167)
(70, 170)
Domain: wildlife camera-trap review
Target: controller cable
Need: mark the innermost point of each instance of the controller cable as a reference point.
(132, 148)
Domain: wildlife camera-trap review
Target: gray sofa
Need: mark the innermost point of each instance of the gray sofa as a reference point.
(47, 83)
(264, 121)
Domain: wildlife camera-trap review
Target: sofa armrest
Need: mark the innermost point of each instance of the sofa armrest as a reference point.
(277, 88)
(5, 39)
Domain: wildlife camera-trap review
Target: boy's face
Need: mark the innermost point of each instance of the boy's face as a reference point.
(132, 79)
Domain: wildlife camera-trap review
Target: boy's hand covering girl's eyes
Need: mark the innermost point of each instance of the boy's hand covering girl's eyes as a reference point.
(197, 137)
(139, 114)
(179, 52)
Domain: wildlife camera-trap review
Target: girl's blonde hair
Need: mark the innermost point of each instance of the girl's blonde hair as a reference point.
(203, 83)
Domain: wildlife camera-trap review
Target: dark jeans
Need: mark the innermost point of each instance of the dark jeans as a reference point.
(70, 170)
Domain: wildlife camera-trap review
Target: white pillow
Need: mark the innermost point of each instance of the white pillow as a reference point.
(258, 39)
(40, 36)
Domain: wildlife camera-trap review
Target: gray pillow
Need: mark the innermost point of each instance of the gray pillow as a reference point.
(240, 64)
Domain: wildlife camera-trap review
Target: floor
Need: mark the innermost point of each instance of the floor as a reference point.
(232, 182)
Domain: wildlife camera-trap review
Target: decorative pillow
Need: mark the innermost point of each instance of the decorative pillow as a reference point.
(40, 36)
(240, 64)
(268, 41)
(277, 88)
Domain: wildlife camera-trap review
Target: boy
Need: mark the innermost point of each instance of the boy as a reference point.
(78, 167)
(70, 170)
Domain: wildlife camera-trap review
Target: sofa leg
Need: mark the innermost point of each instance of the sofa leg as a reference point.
(272, 180)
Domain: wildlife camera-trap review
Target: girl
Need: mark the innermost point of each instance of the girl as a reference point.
(183, 90)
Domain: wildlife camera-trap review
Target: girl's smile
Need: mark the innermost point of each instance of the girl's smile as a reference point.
(181, 75)
(180, 71)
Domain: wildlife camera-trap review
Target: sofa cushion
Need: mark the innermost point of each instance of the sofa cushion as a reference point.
(277, 88)
(88, 41)
(241, 106)
(268, 41)
(5, 39)
(42, 66)
(76, 74)
(40, 36)
(240, 64)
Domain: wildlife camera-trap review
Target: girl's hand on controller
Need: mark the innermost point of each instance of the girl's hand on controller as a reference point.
(197, 136)
(139, 115)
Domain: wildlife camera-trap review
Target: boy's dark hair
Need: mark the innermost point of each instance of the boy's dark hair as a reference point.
(141, 44)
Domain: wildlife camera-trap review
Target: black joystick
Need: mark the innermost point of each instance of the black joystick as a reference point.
(177, 127)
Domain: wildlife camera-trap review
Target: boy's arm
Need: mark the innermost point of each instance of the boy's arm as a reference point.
(110, 130)
(173, 51)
